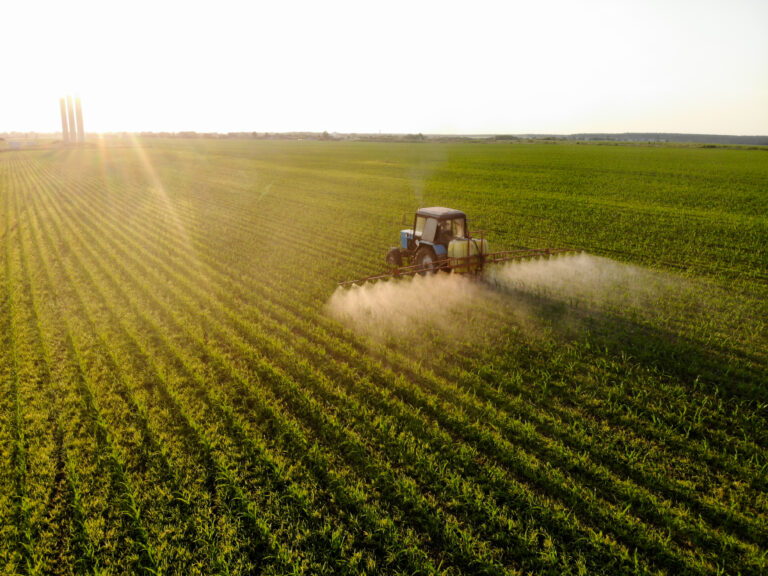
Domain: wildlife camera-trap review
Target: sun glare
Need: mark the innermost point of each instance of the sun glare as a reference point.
(397, 67)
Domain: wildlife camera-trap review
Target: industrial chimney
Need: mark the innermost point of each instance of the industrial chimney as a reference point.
(64, 129)
(71, 114)
(80, 129)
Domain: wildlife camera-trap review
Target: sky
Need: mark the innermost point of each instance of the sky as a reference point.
(471, 67)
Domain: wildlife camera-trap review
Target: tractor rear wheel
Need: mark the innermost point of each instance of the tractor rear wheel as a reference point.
(425, 257)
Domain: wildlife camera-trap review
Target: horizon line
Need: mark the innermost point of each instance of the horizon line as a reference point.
(425, 134)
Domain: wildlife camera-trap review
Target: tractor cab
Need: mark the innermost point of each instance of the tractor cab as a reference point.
(434, 227)
(433, 231)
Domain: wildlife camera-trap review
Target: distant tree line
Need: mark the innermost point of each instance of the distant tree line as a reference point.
(703, 140)
(674, 137)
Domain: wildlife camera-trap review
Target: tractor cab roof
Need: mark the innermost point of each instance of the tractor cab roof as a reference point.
(440, 213)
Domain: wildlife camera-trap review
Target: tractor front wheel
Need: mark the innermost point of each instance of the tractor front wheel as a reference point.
(426, 259)
(394, 258)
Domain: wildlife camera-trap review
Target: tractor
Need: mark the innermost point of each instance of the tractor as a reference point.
(440, 241)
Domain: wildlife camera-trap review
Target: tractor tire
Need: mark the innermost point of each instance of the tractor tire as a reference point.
(425, 257)
(394, 258)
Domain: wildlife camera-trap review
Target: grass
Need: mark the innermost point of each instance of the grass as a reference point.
(185, 391)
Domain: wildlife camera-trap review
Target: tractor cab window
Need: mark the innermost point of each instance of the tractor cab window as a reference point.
(430, 230)
(458, 228)
(445, 232)
(419, 230)
(425, 228)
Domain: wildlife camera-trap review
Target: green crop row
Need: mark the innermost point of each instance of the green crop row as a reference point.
(177, 397)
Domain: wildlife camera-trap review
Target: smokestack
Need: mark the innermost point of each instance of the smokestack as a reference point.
(64, 129)
(72, 136)
(80, 129)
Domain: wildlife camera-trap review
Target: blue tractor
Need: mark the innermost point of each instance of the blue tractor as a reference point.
(438, 240)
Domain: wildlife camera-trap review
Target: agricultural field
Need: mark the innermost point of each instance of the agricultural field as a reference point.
(185, 390)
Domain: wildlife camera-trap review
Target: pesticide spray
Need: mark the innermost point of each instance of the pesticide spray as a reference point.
(583, 279)
(399, 307)
(651, 315)
(510, 293)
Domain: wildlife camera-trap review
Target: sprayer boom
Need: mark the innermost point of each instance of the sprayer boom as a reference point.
(473, 264)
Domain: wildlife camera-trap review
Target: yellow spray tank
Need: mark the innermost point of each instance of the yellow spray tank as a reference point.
(466, 254)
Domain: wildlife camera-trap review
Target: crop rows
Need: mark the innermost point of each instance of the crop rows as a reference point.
(176, 398)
